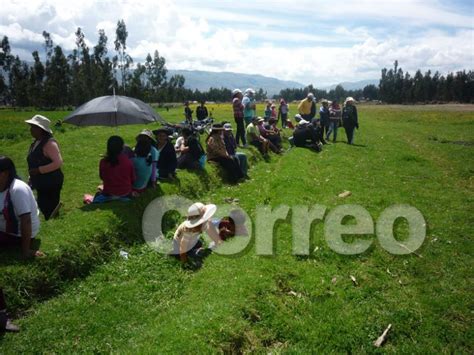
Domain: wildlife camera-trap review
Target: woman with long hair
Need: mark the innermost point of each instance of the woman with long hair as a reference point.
(116, 171)
(19, 222)
(44, 165)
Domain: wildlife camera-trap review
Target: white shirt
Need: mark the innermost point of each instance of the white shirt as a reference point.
(23, 202)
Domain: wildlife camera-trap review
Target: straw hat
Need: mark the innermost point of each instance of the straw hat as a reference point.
(349, 99)
(198, 213)
(147, 133)
(250, 91)
(41, 122)
(236, 91)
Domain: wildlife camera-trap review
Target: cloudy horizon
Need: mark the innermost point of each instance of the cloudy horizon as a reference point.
(306, 41)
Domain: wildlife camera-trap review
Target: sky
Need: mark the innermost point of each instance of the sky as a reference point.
(312, 42)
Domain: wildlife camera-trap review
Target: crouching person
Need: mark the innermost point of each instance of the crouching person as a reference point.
(187, 238)
(19, 222)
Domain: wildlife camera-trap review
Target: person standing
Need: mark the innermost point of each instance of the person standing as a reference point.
(238, 109)
(283, 113)
(324, 117)
(188, 113)
(307, 107)
(201, 111)
(44, 166)
(350, 120)
(334, 120)
(249, 105)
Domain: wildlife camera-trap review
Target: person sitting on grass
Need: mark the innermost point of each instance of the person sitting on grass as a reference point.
(306, 136)
(144, 161)
(274, 139)
(270, 130)
(217, 152)
(5, 323)
(167, 161)
(192, 154)
(44, 165)
(231, 147)
(19, 222)
(255, 138)
(117, 173)
(186, 240)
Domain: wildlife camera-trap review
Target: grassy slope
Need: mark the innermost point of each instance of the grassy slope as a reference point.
(235, 304)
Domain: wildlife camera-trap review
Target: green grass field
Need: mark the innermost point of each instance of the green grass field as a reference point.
(82, 297)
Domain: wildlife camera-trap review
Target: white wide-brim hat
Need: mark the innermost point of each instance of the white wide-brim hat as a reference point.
(198, 213)
(349, 99)
(41, 122)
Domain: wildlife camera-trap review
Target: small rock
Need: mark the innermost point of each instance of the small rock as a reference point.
(344, 194)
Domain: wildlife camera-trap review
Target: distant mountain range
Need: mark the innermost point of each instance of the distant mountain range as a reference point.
(204, 80)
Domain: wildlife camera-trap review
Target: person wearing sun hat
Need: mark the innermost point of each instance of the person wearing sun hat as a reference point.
(217, 152)
(167, 161)
(231, 147)
(44, 166)
(144, 161)
(186, 239)
(255, 138)
(350, 120)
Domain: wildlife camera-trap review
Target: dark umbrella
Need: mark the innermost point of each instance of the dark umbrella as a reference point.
(113, 110)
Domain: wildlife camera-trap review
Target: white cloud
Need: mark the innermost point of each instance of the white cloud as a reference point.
(308, 41)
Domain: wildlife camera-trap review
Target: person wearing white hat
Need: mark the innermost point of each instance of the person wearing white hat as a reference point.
(250, 105)
(350, 120)
(238, 109)
(186, 239)
(307, 107)
(44, 165)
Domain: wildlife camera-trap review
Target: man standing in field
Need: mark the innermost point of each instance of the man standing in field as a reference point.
(238, 109)
(249, 105)
(307, 108)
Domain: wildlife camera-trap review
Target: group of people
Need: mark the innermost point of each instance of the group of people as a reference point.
(127, 172)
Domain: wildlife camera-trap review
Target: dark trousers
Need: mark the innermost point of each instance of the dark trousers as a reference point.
(349, 133)
(48, 199)
(231, 166)
(325, 129)
(3, 304)
(284, 118)
(240, 134)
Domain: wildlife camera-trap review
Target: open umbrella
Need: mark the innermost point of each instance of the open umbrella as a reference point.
(113, 110)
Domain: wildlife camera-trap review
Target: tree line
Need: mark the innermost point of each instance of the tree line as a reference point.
(61, 80)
